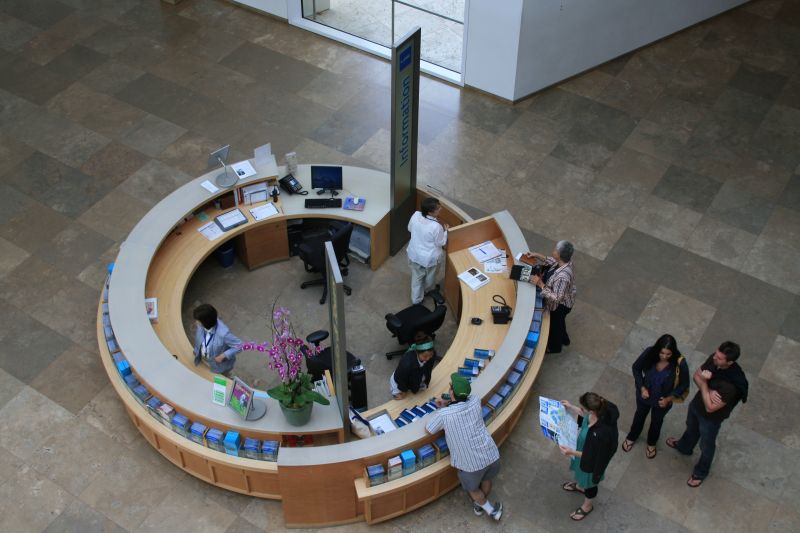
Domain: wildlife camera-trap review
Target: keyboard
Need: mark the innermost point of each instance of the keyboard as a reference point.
(322, 203)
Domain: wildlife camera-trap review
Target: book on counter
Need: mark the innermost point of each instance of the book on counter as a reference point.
(474, 278)
(395, 468)
(479, 363)
(269, 450)
(409, 416)
(400, 421)
(469, 371)
(521, 365)
(214, 439)
(513, 378)
(483, 354)
(486, 413)
(141, 393)
(495, 401)
(504, 390)
(441, 447)
(376, 475)
(166, 412)
(197, 433)
(409, 460)
(251, 448)
(180, 424)
(419, 411)
(427, 455)
(527, 352)
(232, 443)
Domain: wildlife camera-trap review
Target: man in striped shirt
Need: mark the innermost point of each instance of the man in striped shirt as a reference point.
(473, 453)
(558, 290)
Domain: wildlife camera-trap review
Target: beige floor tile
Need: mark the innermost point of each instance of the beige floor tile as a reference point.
(671, 312)
(782, 366)
(666, 221)
(29, 502)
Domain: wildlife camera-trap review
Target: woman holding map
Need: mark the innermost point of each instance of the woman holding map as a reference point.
(597, 441)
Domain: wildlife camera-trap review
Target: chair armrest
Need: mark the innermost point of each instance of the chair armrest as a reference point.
(393, 322)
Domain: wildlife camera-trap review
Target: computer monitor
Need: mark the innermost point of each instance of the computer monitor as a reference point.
(243, 402)
(326, 179)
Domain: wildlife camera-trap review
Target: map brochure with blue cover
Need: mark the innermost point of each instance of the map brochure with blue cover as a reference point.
(557, 424)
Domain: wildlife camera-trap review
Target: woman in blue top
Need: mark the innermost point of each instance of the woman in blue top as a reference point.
(654, 373)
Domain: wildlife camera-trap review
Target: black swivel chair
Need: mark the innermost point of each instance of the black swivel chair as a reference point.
(356, 373)
(313, 256)
(405, 324)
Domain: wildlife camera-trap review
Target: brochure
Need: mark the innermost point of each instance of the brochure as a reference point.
(243, 169)
(474, 278)
(496, 265)
(151, 305)
(557, 425)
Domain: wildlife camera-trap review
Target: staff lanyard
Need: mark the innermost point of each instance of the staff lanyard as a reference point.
(207, 341)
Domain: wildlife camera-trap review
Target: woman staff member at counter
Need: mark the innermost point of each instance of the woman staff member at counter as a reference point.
(558, 290)
(413, 372)
(213, 341)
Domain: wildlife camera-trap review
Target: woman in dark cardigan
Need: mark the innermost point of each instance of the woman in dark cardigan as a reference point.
(597, 442)
(655, 375)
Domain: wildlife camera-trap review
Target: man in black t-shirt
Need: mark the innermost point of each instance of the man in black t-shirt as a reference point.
(722, 384)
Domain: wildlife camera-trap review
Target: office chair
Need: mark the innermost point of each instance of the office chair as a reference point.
(405, 324)
(356, 373)
(313, 256)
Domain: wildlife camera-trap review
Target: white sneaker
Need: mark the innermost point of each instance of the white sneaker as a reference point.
(498, 511)
(477, 509)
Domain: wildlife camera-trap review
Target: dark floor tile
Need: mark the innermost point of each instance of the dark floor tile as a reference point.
(791, 324)
(763, 302)
(76, 62)
(701, 278)
(562, 106)
(791, 194)
(30, 81)
(62, 188)
(12, 202)
(114, 163)
(582, 147)
(80, 517)
(431, 122)
(344, 133)
(617, 290)
(776, 139)
(741, 209)
(759, 82)
(269, 66)
(28, 346)
(486, 113)
(152, 134)
(766, 409)
(742, 105)
(151, 93)
(701, 80)
(41, 13)
(73, 379)
(14, 33)
(616, 65)
(687, 188)
(73, 248)
(648, 257)
(735, 323)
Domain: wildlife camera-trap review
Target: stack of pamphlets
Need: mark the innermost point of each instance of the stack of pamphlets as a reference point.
(441, 447)
(214, 439)
(409, 462)
(376, 475)
(427, 456)
(395, 468)
(197, 433)
(484, 251)
(180, 424)
(483, 354)
(251, 448)
(496, 265)
(269, 450)
(232, 443)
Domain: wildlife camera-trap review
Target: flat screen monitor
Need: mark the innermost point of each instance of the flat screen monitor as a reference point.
(326, 178)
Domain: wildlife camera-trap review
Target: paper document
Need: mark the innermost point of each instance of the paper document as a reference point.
(484, 251)
(264, 211)
(210, 231)
(151, 306)
(210, 187)
(474, 278)
(382, 424)
(219, 389)
(243, 169)
(557, 425)
(231, 219)
(255, 193)
(496, 265)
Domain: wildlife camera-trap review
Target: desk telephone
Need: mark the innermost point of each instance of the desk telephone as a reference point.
(290, 184)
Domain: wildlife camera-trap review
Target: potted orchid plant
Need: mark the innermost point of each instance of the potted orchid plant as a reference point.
(295, 394)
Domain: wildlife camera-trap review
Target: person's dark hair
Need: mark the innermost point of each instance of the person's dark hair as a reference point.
(731, 350)
(206, 315)
(594, 402)
(428, 205)
(565, 250)
(664, 341)
(421, 337)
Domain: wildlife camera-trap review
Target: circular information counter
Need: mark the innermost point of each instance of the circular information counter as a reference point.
(323, 484)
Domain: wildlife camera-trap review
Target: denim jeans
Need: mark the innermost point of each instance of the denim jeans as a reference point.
(699, 428)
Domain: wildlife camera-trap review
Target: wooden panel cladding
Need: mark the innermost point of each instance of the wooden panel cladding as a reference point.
(263, 245)
(379, 243)
(229, 477)
(472, 233)
(450, 214)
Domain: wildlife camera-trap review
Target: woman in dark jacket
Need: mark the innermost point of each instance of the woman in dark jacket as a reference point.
(413, 372)
(597, 442)
(655, 375)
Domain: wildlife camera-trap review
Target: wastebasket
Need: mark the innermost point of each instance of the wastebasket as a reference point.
(225, 254)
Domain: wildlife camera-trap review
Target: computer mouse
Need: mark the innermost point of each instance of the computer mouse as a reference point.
(356, 200)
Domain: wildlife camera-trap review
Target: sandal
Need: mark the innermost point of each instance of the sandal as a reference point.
(571, 486)
(694, 482)
(651, 452)
(579, 514)
(672, 442)
(627, 445)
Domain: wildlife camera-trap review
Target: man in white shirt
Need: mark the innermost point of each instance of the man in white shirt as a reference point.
(428, 236)
(473, 452)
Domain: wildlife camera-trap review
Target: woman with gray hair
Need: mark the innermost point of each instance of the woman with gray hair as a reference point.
(558, 290)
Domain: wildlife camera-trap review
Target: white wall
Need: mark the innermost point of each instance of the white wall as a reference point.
(492, 34)
(274, 7)
(557, 43)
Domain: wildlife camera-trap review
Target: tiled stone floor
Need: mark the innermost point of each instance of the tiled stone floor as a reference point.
(674, 170)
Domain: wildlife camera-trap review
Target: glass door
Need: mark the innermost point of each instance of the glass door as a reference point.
(372, 25)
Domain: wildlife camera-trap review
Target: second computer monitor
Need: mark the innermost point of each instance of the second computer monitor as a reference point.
(326, 179)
